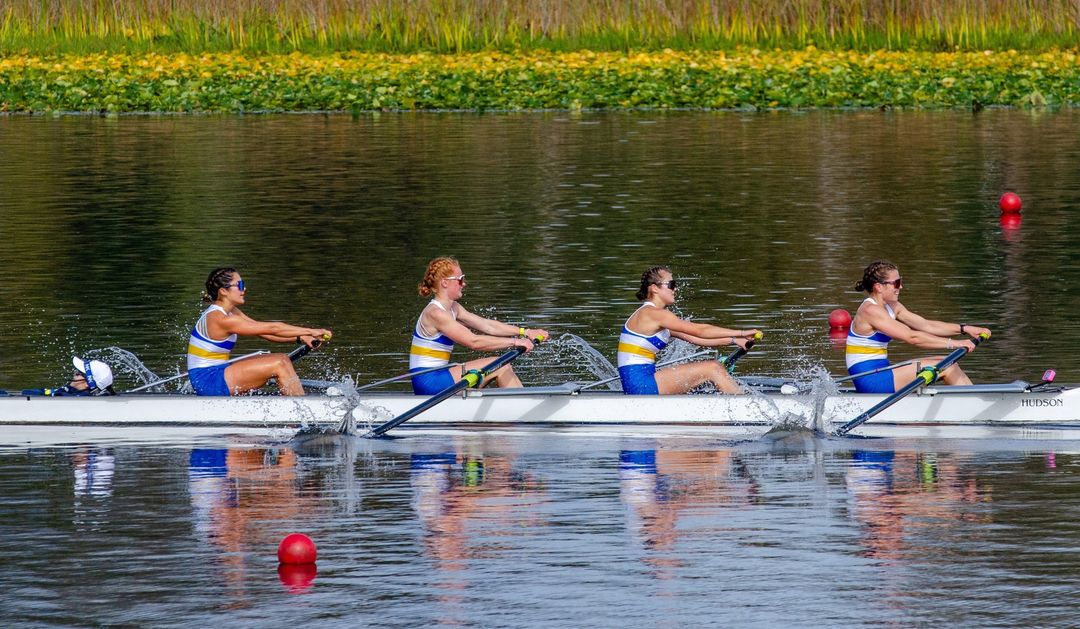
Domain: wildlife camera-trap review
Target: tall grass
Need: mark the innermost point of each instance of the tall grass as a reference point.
(469, 25)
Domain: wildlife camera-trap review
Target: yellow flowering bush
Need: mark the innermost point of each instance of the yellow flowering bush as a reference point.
(743, 78)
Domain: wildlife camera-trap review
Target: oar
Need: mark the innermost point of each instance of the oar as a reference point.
(790, 388)
(295, 355)
(326, 384)
(472, 378)
(730, 360)
(925, 377)
(185, 374)
(666, 363)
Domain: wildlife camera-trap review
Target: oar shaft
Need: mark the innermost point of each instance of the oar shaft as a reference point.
(730, 361)
(925, 377)
(666, 363)
(406, 376)
(471, 378)
(185, 374)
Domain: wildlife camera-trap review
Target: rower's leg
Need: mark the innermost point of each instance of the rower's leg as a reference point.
(682, 378)
(952, 375)
(251, 373)
(503, 377)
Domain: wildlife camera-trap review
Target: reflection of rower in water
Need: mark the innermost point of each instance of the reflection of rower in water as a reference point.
(658, 485)
(92, 377)
(444, 322)
(238, 495)
(452, 491)
(882, 318)
(894, 493)
(650, 329)
(208, 357)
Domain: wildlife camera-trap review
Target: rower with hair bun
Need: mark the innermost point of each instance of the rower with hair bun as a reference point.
(882, 318)
(650, 329)
(444, 322)
(214, 335)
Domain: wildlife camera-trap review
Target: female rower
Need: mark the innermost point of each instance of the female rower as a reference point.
(650, 329)
(208, 357)
(882, 318)
(444, 322)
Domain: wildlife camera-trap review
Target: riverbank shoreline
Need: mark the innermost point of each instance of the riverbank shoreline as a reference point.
(743, 79)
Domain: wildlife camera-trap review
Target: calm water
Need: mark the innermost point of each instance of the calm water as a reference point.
(527, 530)
(109, 226)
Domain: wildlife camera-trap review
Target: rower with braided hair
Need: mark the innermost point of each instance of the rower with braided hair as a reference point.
(215, 333)
(881, 318)
(444, 322)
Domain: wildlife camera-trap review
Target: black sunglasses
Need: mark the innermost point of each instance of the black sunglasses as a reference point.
(672, 284)
(897, 283)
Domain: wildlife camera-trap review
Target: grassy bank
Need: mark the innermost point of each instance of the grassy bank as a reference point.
(235, 82)
(403, 26)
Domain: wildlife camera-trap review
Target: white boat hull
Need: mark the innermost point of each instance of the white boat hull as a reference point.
(930, 410)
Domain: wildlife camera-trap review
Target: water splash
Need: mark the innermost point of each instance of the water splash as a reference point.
(595, 362)
(124, 362)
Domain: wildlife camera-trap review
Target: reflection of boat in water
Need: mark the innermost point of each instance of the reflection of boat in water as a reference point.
(1055, 409)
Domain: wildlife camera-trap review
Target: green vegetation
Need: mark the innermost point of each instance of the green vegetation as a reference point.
(235, 82)
(296, 55)
(402, 26)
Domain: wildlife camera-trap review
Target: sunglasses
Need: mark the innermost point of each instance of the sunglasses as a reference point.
(460, 279)
(239, 285)
(897, 283)
(672, 284)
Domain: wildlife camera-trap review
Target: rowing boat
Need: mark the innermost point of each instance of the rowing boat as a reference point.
(932, 409)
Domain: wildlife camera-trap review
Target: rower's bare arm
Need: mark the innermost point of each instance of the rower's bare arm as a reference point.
(703, 334)
(702, 341)
(899, 330)
(243, 325)
(498, 328)
(457, 332)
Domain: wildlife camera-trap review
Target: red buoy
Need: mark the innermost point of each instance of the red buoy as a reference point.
(839, 319)
(296, 548)
(1010, 203)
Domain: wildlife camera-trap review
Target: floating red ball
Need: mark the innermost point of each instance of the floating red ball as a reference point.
(1010, 203)
(839, 319)
(296, 548)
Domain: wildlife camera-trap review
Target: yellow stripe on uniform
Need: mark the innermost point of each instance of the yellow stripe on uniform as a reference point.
(857, 349)
(416, 350)
(634, 349)
(202, 353)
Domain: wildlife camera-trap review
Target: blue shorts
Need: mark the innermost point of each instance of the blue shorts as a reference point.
(432, 382)
(881, 382)
(638, 379)
(209, 380)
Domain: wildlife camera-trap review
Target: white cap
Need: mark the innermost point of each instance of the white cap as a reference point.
(98, 374)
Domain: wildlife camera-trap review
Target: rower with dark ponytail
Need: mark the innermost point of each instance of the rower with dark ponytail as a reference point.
(876, 273)
(650, 329)
(218, 279)
(881, 319)
(214, 335)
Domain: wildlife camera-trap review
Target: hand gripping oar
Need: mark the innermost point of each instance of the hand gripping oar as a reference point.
(925, 377)
(730, 360)
(471, 378)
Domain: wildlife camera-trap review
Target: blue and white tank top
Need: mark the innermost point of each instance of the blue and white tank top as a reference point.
(203, 351)
(638, 349)
(427, 350)
(861, 348)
